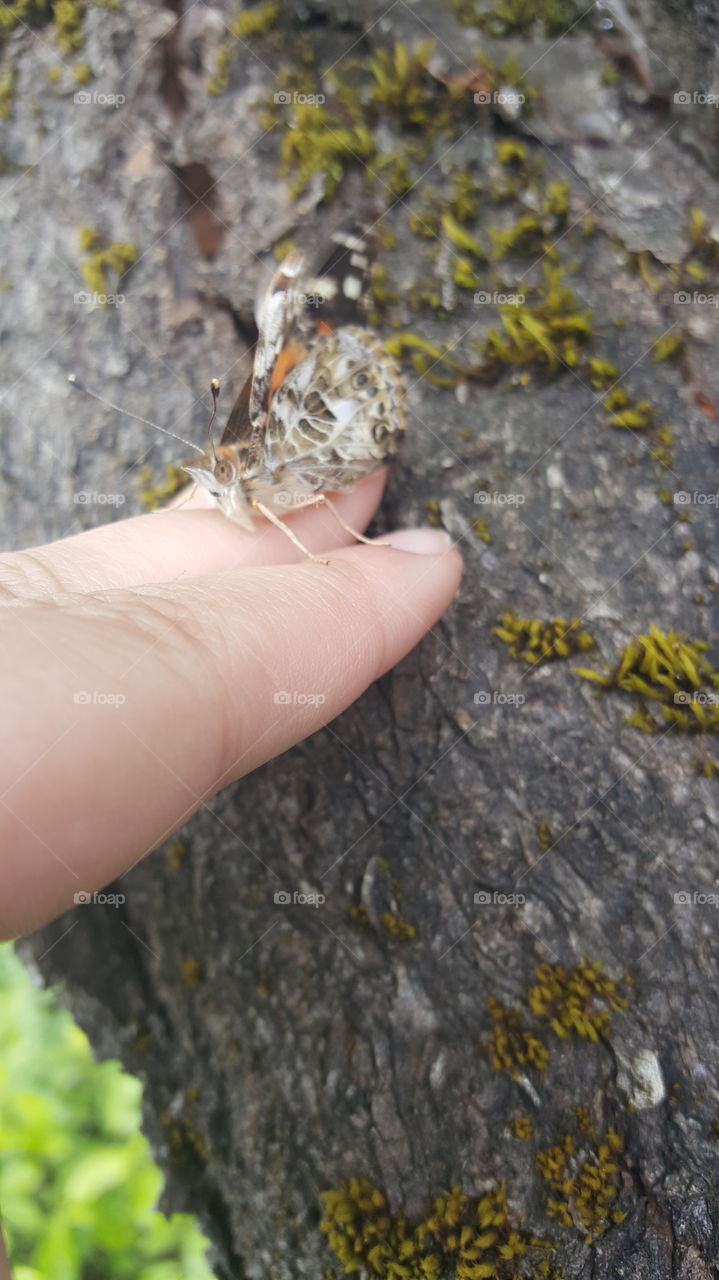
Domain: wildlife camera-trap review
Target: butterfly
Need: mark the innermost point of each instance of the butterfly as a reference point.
(323, 405)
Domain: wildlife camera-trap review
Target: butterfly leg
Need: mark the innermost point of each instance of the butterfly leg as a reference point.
(279, 524)
(327, 502)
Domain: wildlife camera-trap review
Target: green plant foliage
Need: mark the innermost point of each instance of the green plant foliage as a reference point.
(78, 1184)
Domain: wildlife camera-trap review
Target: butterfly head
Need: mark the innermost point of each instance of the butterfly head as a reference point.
(219, 474)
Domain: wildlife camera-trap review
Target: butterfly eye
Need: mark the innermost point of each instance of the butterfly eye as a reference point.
(360, 379)
(225, 471)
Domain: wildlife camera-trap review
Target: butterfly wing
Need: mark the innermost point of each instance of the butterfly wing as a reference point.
(338, 415)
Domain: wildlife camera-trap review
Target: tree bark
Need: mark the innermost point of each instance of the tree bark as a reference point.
(288, 1047)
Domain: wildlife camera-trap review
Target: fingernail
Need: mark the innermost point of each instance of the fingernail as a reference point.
(422, 542)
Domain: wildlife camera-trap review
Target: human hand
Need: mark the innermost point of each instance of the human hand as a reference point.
(142, 662)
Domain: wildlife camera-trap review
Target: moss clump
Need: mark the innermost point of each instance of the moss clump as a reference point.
(82, 73)
(566, 1000)
(481, 530)
(397, 927)
(536, 640)
(320, 142)
(174, 854)
(251, 24)
(190, 972)
(601, 373)
(462, 1238)
(637, 416)
(545, 838)
(513, 1046)
(248, 24)
(523, 1127)
(671, 671)
(519, 17)
(116, 258)
(563, 1002)
(548, 331)
(670, 347)
(701, 259)
(69, 17)
(154, 492)
(7, 93)
(587, 1183)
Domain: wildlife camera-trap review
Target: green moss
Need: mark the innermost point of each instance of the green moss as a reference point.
(601, 373)
(82, 73)
(220, 78)
(154, 492)
(536, 640)
(527, 236)
(16, 13)
(670, 672)
(69, 17)
(401, 85)
(561, 1002)
(461, 1238)
(523, 1127)
(397, 927)
(586, 1183)
(250, 24)
(638, 416)
(190, 970)
(113, 258)
(513, 1046)
(519, 17)
(174, 851)
(545, 837)
(7, 93)
(481, 529)
(566, 1000)
(320, 142)
(670, 347)
(547, 331)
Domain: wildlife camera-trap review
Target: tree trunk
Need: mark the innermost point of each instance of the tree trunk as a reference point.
(436, 846)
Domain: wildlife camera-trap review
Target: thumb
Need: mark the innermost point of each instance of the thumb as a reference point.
(147, 702)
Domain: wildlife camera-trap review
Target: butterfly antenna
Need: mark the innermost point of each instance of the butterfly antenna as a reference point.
(79, 386)
(215, 389)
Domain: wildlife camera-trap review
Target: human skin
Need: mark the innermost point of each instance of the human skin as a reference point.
(178, 629)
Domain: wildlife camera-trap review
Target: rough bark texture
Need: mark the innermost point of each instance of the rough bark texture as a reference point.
(305, 1046)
